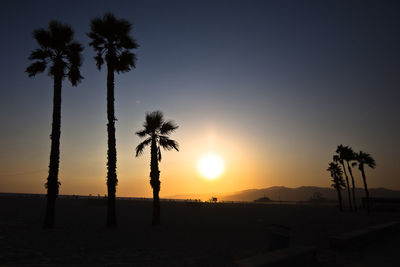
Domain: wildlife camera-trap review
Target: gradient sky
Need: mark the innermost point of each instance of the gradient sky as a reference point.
(271, 86)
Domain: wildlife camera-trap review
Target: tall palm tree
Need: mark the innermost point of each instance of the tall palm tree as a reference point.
(157, 132)
(58, 51)
(362, 159)
(346, 154)
(113, 44)
(339, 159)
(349, 155)
(337, 179)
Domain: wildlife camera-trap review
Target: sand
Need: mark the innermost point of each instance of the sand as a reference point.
(206, 234)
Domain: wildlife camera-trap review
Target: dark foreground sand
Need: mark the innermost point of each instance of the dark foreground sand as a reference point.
(203, 234)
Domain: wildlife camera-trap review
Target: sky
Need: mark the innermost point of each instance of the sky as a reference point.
(272, 87)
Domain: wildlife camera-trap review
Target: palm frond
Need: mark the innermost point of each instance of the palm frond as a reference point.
(39, 54)
(346, 153)
(74, 76)
(168, 127)
(110, 35)
(141, 133)
(61, 34)
(74, 54)
(35, 68)
(125, 61)
(127, 42)
(154, 121)
(97, 41)
(336, 158)
(367, 159)
(168, 144)
(43, 38)
(141, 146)
(337, 175)
(58, 48)
(99, 61)
(152, 127)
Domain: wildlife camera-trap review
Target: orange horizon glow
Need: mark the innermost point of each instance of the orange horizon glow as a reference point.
(248, 165)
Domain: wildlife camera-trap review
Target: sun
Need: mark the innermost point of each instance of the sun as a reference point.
(210, 166)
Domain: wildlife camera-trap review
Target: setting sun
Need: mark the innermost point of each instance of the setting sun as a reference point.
(210, 166)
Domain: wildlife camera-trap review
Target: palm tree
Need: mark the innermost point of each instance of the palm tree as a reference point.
(58, 51)
(346, 154)
(112, 43)
(362, 159)
(337, 179)
(349, 155)
(157, 132)
(339, 159)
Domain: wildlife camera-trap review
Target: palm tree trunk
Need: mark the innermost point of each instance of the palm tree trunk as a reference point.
(52, 180)
(353, 187)
(340, 199)
(112, 151)
(348, 187)
(365, 186)
(155, 182)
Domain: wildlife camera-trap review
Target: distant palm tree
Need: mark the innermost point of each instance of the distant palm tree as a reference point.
(337, 158)
(157, 131)
(362, 159)
(337, 179)
(62, 54)
(347, 154)
(111, 40)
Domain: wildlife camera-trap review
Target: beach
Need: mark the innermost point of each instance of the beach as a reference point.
(200, 234)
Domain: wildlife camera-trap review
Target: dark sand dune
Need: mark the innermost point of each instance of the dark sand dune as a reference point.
(190, 234)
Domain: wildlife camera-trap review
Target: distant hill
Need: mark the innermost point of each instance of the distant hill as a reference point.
(281, 193)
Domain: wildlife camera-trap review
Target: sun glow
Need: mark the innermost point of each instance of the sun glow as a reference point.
(210, 166)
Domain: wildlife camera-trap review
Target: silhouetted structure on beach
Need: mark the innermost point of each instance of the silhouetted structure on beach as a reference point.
(62, 54)
(263, 199)
(157, 131)
(337, 179)
(362, 159)
(111, 40)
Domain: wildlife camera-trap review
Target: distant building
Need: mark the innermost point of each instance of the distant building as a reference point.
(213, 200)
(263, 199)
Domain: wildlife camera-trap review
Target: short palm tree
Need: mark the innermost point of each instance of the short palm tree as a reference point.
(113, 44)
(362, 159)
(157, 132)
(58, 51)
(337, 179)
(338, 159)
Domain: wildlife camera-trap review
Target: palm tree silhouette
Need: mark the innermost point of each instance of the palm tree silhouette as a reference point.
(349, 155)
(362, 159)
(157, 131)
(338, 158)
(62, 54)
(337, 179)
(111, 40)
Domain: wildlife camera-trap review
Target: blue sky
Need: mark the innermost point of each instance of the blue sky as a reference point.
(284, 81)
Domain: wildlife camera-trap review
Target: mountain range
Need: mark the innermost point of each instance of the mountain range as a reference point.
(281, 193)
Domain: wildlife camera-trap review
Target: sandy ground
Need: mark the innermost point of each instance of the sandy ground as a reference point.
(203, 234)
